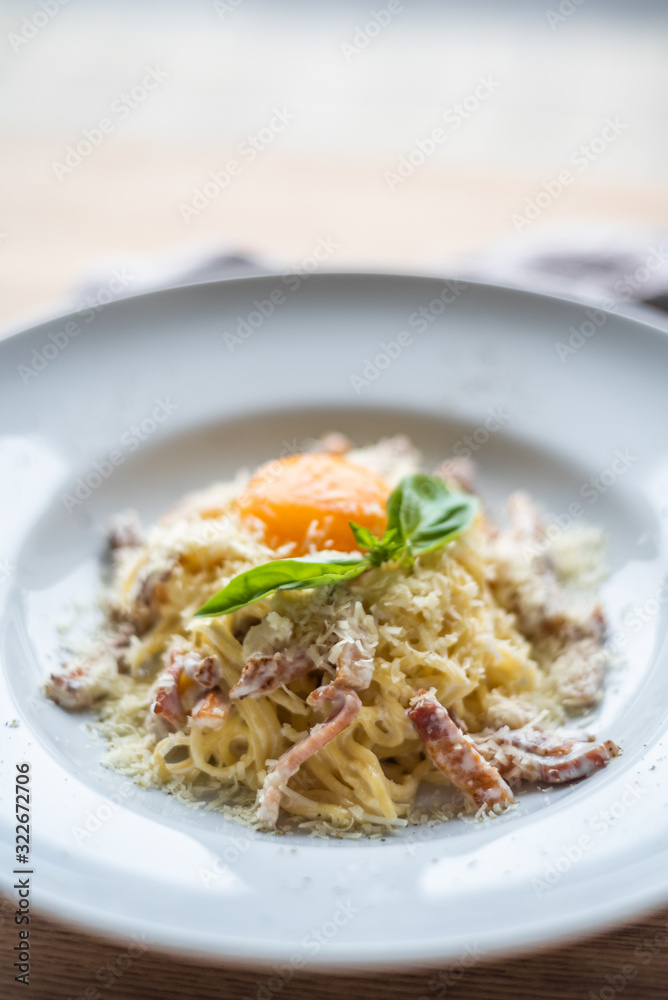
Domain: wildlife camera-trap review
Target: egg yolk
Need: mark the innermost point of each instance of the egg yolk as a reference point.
(309, 500)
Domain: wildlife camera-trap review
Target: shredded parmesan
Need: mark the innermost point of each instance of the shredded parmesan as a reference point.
(445, 624)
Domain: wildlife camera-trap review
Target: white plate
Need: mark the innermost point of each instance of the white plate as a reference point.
(120, 860)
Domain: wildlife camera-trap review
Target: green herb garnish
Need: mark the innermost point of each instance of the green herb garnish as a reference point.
(422, 515)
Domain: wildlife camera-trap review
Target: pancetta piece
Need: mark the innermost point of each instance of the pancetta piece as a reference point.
(456, 755)
(264, 674)
(204, 670)
(167, 705)
(553, 768)
(211, 709)
(535, 740)
(83, 681)
(346, 706)
(185, 675)
(354, 666)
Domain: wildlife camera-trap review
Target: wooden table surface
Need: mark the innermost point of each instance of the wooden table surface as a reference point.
(126, 203)
(631, 962)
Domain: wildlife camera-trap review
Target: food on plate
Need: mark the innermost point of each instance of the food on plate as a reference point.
(343, 643)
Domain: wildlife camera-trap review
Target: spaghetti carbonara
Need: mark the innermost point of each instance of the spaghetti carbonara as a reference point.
(415, 690)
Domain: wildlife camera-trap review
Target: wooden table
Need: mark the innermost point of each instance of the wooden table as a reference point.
(126, 202)
(632, 963)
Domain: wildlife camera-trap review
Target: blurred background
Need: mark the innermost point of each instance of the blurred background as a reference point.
(403, 135)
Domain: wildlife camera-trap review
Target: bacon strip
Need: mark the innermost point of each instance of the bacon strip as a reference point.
(211, 710)
(354, 668)
(552, 769)
(83, 681)
(534, 740)
(167, 703)
(345, 709)
(204, 670)
(456, 755)
(581, 764)
(264, 674)
(186, 672)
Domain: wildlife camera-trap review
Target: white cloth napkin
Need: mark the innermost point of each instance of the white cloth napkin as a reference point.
(605, 265)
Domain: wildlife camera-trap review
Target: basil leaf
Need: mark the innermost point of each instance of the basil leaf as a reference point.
(380, 549)
(387, 548)
(363, 536)
(422, 515)
(393, 508)
(457, 519)
(282, 574)
(429, 514)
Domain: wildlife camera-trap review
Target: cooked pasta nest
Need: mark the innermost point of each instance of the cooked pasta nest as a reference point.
(440, 624)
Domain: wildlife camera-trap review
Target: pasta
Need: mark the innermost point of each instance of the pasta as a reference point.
(361, 660)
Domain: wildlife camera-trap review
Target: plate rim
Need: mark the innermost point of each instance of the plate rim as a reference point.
(58, 310)
(546, 936)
